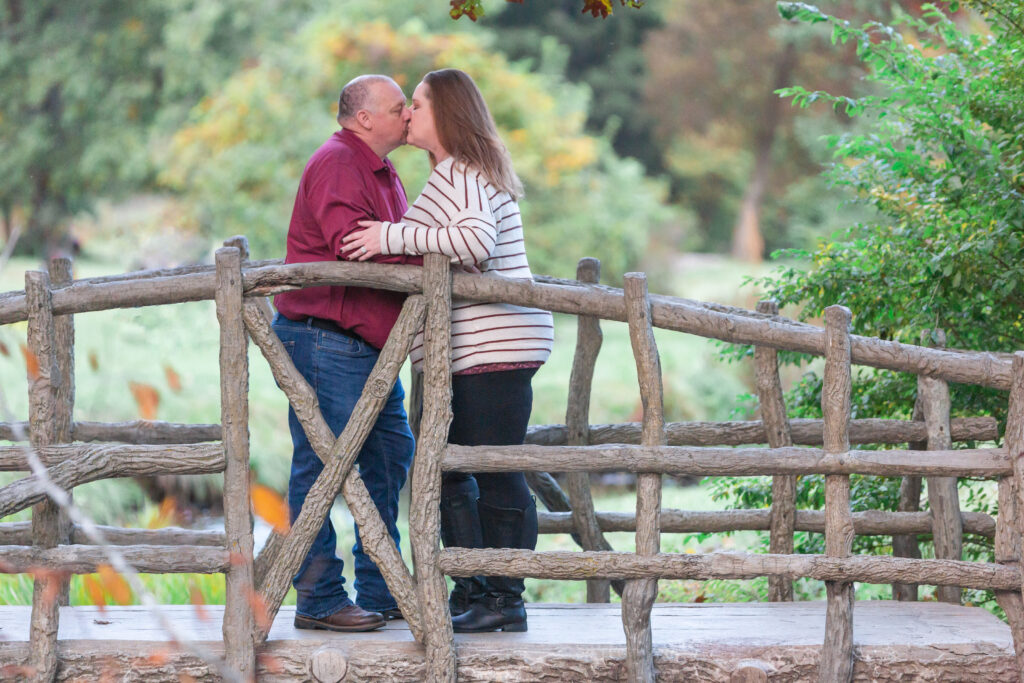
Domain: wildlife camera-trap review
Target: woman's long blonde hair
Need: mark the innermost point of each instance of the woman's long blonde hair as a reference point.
(465, 128)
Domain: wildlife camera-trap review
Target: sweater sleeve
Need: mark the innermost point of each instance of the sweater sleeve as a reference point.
(452, 216)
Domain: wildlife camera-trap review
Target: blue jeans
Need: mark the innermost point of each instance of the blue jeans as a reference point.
(337, 367)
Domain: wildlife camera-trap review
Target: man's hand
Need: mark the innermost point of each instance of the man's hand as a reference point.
(363, 244)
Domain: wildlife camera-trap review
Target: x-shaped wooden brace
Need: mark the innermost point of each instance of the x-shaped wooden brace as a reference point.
(280, 559)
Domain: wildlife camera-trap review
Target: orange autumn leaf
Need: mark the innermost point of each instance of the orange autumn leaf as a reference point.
(166, 514)
(260, 614)
(159, 657)
(31, 363)
(94, 361)
(115, 584)
(147, 397)
(270, 663)
(4, 350)
(271, 507)
(195, 596)
(95, 591)
(173, 380)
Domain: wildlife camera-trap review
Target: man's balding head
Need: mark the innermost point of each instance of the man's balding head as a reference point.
(361, 93)
(373, 108)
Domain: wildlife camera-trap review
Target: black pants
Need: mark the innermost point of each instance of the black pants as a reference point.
(492, 409)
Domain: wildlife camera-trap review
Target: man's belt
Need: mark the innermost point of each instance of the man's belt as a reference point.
(331, 326)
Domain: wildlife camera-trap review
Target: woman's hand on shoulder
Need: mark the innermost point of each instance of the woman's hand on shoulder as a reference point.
(363, 244)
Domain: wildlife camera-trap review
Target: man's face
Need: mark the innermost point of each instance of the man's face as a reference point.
(390, 116)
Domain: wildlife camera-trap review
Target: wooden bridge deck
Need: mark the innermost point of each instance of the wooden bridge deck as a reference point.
(693, 642)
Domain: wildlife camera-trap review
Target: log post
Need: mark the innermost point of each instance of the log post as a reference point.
(1008, 542)
(639, 594)
(776, 427)
(905, 545)
(837, 652)
(64, 406)
(1010, 531)
(943, 497)
(577, 422)
(424, 509)
(43, 391)
(239, 622)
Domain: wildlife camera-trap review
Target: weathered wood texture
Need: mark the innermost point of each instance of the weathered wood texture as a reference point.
(867, 523)
(43, 390)
(638, 595)
(20, 533)
(906, 545)
(804, 432)
(239, 621)
(146, 559)
(776, 425)
(580, 565)
(279, 561)
(137, 432)
(728, 462)
(74, 465)
(425, 515)
(577, 421)
(837, 652)
(64, 391)
(943, 496)
(1011, 504)
(571, 643)
(1008, 545)
(986, 369)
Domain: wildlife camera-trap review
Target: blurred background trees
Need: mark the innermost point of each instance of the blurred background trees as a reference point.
(658, 126)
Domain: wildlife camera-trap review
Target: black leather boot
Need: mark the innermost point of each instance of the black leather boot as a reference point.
(502, 608)
(460, 528)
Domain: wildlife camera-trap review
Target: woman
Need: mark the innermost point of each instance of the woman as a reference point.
(468, 211)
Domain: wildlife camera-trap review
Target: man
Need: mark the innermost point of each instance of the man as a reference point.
(334, 335)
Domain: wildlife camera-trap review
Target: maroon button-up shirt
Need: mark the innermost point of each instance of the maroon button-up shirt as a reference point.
(344, 182)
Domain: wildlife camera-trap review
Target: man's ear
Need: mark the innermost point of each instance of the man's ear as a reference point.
(364, 119)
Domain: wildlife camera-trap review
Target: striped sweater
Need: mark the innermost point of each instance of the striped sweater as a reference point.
(462, 215)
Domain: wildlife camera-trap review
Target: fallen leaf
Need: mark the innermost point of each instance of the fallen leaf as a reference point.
(147, 398)
(271, 507)
(94, 361)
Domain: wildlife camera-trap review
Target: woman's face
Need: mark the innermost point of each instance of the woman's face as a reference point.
(422, 132)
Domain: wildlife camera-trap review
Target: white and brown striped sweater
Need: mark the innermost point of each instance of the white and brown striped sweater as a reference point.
(462, 215)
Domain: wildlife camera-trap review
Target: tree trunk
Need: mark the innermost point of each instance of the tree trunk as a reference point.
(747, 242)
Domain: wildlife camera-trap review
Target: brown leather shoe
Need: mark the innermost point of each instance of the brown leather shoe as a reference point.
(351, 618)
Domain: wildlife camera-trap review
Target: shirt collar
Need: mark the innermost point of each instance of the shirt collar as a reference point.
(355, 142)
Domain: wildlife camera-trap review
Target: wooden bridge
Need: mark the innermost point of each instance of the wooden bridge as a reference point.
(781, 640)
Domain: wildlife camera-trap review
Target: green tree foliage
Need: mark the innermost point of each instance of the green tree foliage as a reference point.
(83, 84)
(942, 165)
(240, 155)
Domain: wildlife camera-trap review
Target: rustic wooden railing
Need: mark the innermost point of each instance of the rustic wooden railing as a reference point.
(649, 449)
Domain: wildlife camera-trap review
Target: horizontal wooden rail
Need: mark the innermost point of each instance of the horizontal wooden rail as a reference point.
(136, 432)
(986, 369)
(124, 460)
(868, 523)
(564, 565)
(727, 462)
(85, 559)
(74, 465)
(20, 533)
(742, 432)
